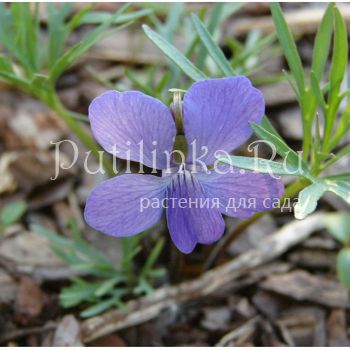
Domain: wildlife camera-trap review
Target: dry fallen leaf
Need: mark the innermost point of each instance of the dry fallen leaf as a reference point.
(30, 300)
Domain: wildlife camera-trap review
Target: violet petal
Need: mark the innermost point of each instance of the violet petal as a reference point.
(121, 120)
(216, 115)
(238, 187)
(191, 225)
(114, 206)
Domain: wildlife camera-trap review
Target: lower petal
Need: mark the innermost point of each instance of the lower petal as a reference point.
(241, 193)
(120, 206)
(190, 223)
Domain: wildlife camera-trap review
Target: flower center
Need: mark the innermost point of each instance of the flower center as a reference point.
(182, 168)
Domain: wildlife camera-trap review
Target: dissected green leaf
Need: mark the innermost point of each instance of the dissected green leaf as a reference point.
(143, 287)
(109, 284)
(100, 307)
(308, 198)
(152, 257)
(78, 252)
(340, 188)
(78, 293)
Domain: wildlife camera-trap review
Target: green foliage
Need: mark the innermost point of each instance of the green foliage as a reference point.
(34, 64)
(20, 36)
(288, 44)
(322, 43)
(202, 57)
(316, 156)
(338, 225)
(213, 50)
(11, 213)
(175, 55)
(290, 156)
(343, 267)
(104, 285)
(308, 198)
(312, 97)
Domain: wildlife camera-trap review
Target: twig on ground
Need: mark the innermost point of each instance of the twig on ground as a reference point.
(18, 333)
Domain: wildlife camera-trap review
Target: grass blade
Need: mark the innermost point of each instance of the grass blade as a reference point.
(340, 56)
(290, 156)
(89, 40)
(289, 47)
(212, 48)
(322, 43)
(174, 54)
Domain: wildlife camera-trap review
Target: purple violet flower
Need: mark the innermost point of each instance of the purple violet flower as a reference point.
(216, 113)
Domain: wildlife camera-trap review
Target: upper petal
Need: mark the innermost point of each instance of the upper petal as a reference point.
(241, 193)
(190, 223)
(216, 115)
(132, 125)
(119, 206)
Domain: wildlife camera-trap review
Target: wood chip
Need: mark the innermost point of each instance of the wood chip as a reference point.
(337, 329)
(304, 325)
(244, 331)
(30, 253)
(67, 332)
(301, 285)
(216, 318)
(314, 258)
(8, 182)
